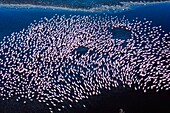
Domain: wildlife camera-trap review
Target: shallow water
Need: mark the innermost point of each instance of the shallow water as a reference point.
(84, 4)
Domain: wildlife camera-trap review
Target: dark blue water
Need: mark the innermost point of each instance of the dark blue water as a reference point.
(14, 20)
(85, 4)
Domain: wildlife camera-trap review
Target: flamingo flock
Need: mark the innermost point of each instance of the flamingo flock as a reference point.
(67, 59)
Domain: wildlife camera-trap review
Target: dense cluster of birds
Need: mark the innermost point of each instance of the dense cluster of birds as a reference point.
(67, 59)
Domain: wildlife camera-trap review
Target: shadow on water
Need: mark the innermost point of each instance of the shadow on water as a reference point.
(108, 102)
(12, 106)
(130, 102)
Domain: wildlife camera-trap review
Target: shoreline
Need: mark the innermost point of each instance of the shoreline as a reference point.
(123, 7)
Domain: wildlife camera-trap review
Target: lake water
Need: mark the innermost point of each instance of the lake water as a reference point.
(15, 19)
